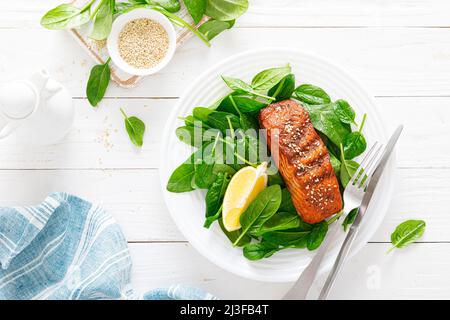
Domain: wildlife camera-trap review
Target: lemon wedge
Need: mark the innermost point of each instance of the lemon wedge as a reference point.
(243, 188)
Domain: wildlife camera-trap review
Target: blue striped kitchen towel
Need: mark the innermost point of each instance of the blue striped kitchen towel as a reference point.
(68, 248)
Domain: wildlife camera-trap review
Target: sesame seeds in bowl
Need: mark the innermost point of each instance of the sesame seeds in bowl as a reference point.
(142, 42)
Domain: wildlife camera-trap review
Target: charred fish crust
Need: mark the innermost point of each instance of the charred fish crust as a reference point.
(302, 160)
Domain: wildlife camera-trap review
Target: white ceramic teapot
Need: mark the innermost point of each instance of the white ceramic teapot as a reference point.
(38, 111)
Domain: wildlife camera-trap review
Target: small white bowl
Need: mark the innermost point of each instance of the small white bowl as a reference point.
(119, 24)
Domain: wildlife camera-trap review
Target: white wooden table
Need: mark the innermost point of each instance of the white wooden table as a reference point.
(399, 49)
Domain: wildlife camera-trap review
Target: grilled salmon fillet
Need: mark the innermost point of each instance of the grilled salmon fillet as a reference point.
(302, 159)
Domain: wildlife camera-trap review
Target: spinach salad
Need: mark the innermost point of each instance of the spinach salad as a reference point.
(270, 223)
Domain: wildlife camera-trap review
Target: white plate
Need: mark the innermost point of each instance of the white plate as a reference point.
(187, 209)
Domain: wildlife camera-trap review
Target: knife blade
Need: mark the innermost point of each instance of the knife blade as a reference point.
(346, 245)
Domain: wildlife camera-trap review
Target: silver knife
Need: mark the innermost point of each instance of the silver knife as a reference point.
(346, 245)
(300, 289)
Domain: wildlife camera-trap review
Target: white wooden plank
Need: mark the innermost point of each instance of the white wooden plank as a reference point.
(346, 13)
(390, 61)
(416, 272)
(419, 271)
(99, 140)
(21, 13)
(134, 198)
(161, 265)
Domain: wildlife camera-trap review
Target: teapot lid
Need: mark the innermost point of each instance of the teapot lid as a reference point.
(18, 99)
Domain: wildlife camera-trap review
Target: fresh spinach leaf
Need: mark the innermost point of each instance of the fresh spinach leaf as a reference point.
(204, 174)
(348, 169)
(226, 10)
(316, 236)
(260, 250)
(286, 201)
(103, 20)
(223, 168)
(261, 209)
(269, 78)
(241, 87)
(284, 89)
(246, 121)
(181, 178)
(350, 218)
(213, 28)
(280, 221)
(344, 111)
(236, 237)
(275, 178)
(196, 9)
(336, 164)
(190, 135)
(406, 233)
(289, 238)
(311, 94)
(247, 104)
(214, 198)
(202, 113)
(355, 143)
(123, 7)
(135, 129)
(66, 16)
(98, 83)
(325, 120)
(169, 5)
(223, 120)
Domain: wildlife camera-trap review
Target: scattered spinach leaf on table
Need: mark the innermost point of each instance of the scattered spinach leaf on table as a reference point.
(103, 19)
(135, 128)
(213, 28)
(98, 83)
(170, 5)
(226, 10)
(196, 9)
(406, 233)
(66, 16)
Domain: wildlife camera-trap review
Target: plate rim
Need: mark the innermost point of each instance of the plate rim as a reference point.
(320, 58)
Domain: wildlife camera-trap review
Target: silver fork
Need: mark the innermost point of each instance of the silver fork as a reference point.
(353, 195)
(354, 191)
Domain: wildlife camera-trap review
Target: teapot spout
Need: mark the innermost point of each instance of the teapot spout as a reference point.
(39, 79)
